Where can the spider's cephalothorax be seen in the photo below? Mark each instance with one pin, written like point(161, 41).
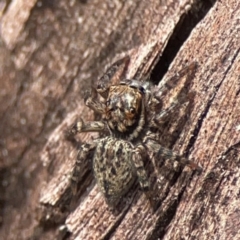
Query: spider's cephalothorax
point(130, 111)
point(125, 109)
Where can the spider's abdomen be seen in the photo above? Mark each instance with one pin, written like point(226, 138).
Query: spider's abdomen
point(112, 166)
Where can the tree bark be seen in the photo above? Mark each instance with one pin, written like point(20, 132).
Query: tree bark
point(53, 51)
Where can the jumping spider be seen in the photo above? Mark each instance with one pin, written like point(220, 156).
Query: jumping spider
point(131, 115)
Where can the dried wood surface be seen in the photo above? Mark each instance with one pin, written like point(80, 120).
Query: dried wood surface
point(52, 52)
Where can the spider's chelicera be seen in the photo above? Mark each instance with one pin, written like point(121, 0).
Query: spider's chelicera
point(131, 115)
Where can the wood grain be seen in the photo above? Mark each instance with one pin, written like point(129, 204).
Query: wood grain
point(53, 52)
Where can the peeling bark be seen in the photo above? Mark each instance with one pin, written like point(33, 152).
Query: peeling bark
point(52, 52)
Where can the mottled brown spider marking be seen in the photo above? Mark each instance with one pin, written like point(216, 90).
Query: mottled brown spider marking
point(132, 115)
point(123, 108)
point(113, 168)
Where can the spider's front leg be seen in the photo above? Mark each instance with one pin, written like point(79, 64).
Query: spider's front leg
point(183, 78)
point(164, 115)
point(186, 75)
point(113, 74)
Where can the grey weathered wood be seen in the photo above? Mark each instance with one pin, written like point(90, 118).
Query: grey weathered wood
point(52, 54)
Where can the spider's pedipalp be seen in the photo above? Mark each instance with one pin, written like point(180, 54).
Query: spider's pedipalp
point(93, 126)
point(94, 103)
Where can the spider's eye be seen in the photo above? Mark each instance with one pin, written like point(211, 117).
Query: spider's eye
point(142, 89)
point(107, 102)
point(114, 109)
point(100, 86)
point(132, 110)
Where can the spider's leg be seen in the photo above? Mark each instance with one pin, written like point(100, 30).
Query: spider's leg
point(188, 73)
point(138, 163)
point(112, 76)
point(183, 79)
point(78, 168)
point(165, 153)
point(166, 114)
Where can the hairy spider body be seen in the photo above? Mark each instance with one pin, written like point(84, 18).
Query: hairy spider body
point(131, 114)
point(111, 168)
